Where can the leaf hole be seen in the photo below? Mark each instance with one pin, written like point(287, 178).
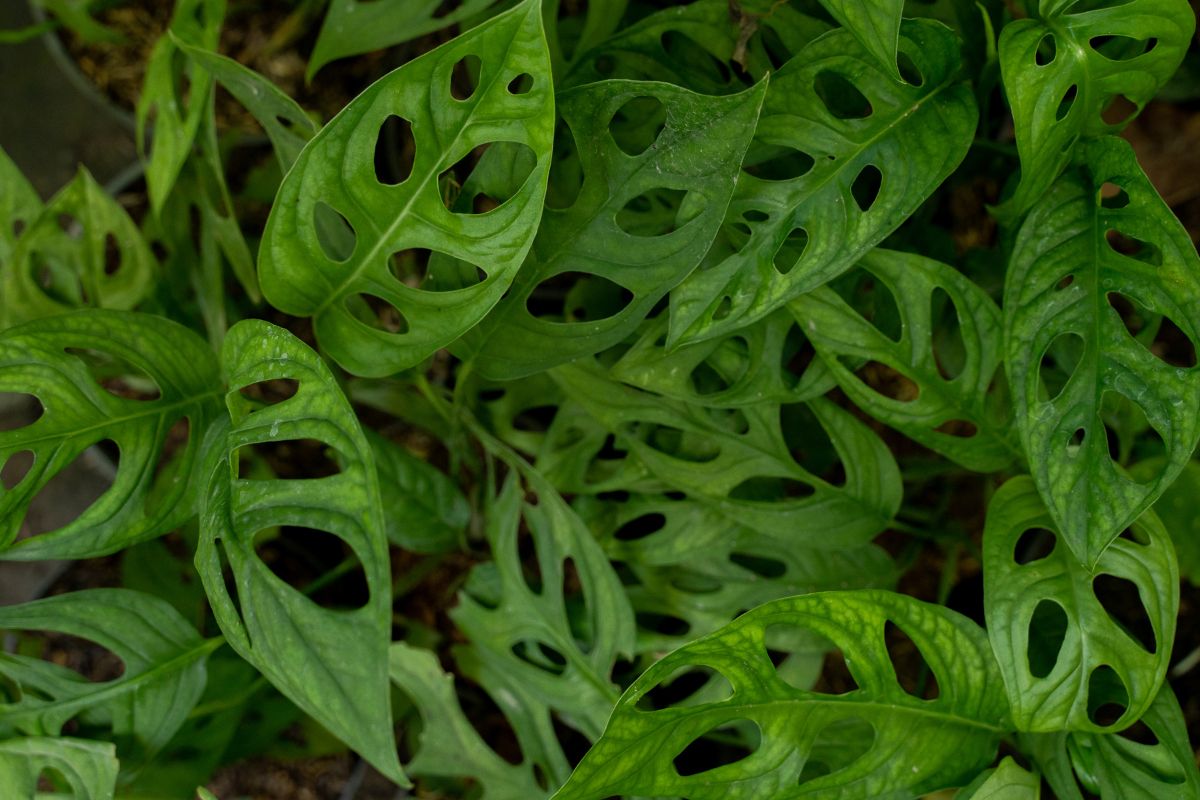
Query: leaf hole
point(67, 495)
point(1065, 104)
point(464, 77)
point(521, 84)
point(910, 73)
point(1140, 733)
point(15, 468)
point(808, 442)
point(841, 98)
point(315, 563)
point(577, 297)
point(1047, 49)
point(677, 443)
point(694, 58)
point(1134, 248)
point(771, 489)
point(791, 251)
point(652, 213)
point(866, 187)
point(334, 232)
point(637, 124)
point(1066, 281)
point(18, 410)
point(640, 527)
point(889, 382)
point(958, 428)
point(540, 655)
point(70, 225)
point(288, 459)
point(1115, 47)
point(1033, 545)
point(1122, 602)
point(806, 660)
point(837, 746)
point(663, 624)
point(375, 312)
point(498, 171)
point(1135, 534)
point(1108, 698)
point(1113, 196)
point(116, 375)
point(724, 309)
point(1075, 442)
point(688, 685)
point(395, 150)
point(112, 254)
point(1047, 633)
point(270, 392)
point(1058, 363)
point(566, 170)
point(912, 670)
point(946, 338)
point(762, 566)
point(89, 659)
point(707, 752)
point(777, 162)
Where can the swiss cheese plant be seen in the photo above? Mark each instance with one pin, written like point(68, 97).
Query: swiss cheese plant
point(755, 399)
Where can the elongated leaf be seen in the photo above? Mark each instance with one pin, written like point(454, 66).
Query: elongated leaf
point(1114, 765)
point(1068, 278)
point(1177, 510)
point(81, 250)
point(300, 274)
point(1062, 654)
point(449, 746)
point(833, 123)
point(1006, 782)
point(1063, 68)
point(352, 27)
point(89, 767)
point(164, 673)
point(423, 509)
point(154, 489)
point(875, 24)
point(740, 463)
point(906, 745)
point(686, 173)
point(331, 663)
point(844, 340)
point(19, 206)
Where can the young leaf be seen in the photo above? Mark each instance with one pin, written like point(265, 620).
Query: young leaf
point(1062, 69)
point(875, 24)
point(1078, 260)
point(904, 746)
point(1006, 782)
point(154, 489)
point(332, 663)
point(423, 509)
point(81, 250)
point(844, 339)
point(90, 768)
point(1063, 654)
point(314, 262)
point(19, 207)
point(842, 155)
point(644, 218)
point(164, 661)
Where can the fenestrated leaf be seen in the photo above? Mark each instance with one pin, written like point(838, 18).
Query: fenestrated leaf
point(813, 208)
point(845, 340)
point(89, 767)
point(1008, 781)
point(1176, 508)
point(331, 662)
point(154, 489)
point(739, 461)
point(351, 27)
point(1115, 765)
point(1077, 260)
point(907, 746)
point(875, 24)
point(423, 509)
point(307, 272)
point(579, 28)
point(81, 250)
point(164, 673)
point(19, 206)
point(1058, 646)
point(449, 746)
point(1064, 67)
point(640, 224)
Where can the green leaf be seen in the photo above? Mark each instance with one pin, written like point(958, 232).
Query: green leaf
point(352, 27)
point(81, 250)
point(1062, 653)
point(952, 383)
point(1158, 767)
point(875, 24)
point(154, 489)
point(1008, 781)
point(449, 746)
point(19, 207)
point(423, 509)
point(1176, 508)
point(646, 214)
point(797, 219)
point(90, 768)
point(332, 663)
point(164, 674)
point(739, 460)
point(902, 745)
point(333, 281)
point(1069, 276)
point(1062, 69)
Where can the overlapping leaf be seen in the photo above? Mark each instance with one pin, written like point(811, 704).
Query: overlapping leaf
point(307, 271)
point(90, 768)
point(1008, 781)
point(1062, 654)
point(19, 206)
point(423, 509)
point(164, 673)
point(154, 489)
point(738, 460)
point(1064, 67)
point(81, 250)
point(952, 386)
point(1078, 260)
point(645, 216)
point(331, 663)
point(1176, 508)
point(907, 745)
point(876, 25)
point(809, 206)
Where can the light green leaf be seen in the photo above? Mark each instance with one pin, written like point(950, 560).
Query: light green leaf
point(648, 210)
point(19, 207)
point(1062, 69)
point(81, 250)
point(875, 24)
point(335, 281)
point(352, 27)
point(90, 768)
point(1177, 510)
point(1008, 781)
point(423, 509)
point(1062, 653)
point(952, 384)
point(449, 746)
point(739, 462)
point(164, 661)
point(806, 206)
point(331, 662)
point(154, 490)
point(902, 746)
point(1068, 279)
